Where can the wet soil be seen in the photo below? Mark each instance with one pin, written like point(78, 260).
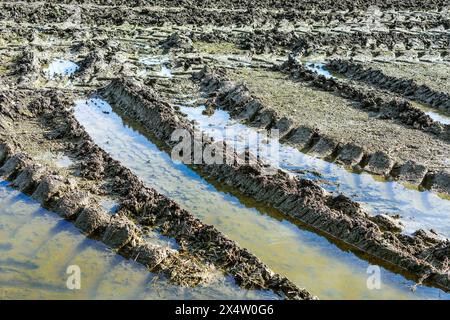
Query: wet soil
point(341, 120)
point(144, 57)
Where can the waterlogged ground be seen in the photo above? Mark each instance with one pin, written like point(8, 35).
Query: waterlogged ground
point(77, 57)
point(37, 248)
point(304, 257)
point(418, 209)
point(341, 119)
point(60, 67)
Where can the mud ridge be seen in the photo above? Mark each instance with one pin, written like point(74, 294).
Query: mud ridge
point(208, 248)
point(62, 195)
point(242, 105)
point(376, 42)
point(333, 42)
point(145, 14)
point(371, 101)
point(406, 87)
point(336, 216)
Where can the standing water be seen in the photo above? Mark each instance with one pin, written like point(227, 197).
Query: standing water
point(37, 248)
point(309, 260)
point(417, 209)
point(60, 67)
point(160, 61)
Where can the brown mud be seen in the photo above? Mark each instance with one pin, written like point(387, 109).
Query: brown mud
point(109, 42)
point(243, 105)
point(204, 249)
point(336, 216)
point(406, 87)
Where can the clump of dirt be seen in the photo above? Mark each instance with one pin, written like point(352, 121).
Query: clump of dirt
point(177, 42)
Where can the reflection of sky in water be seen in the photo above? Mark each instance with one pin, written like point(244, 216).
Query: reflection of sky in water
point(438, 117)
point(319, 68)
point(60, 67)
point(37, 246)
point(304, 257)
point(60, 159)
point(417, 209)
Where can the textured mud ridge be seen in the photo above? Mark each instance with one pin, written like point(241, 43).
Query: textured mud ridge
point(242, 105)
point(146, 14)
point(205, 248)
point(336, 216)
point(57, 193)
point(406, 87)
point(376, 45)
point(386, 107)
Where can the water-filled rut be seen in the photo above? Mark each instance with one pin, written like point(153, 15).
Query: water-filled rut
point(417, 209)
point(37, 247)
point(307, 259)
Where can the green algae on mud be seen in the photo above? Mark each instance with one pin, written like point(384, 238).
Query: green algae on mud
point(297, 253)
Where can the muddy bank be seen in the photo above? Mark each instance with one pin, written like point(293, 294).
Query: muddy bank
point(204, 15)
point(389, 44)
point(335, 216)
point(372, 101)
point(406, 87)
point(204, 249)
point(242, 105)
point(392, 44)
point(62, 196)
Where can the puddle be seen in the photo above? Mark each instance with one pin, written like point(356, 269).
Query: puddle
point(60, 67)
point(162, 62)
point(309, 260)
point(319, 68)
point(418, 209)
point(60, 159)
point(161, 240)
point(37, 247)
point(434, 114)
point(438, 117)
point(109, 205)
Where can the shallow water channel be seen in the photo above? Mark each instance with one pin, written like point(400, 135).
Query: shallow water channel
point(417, 209)
point(306, 258)
point(37, 247)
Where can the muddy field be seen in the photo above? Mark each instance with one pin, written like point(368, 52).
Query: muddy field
point(93, 92)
